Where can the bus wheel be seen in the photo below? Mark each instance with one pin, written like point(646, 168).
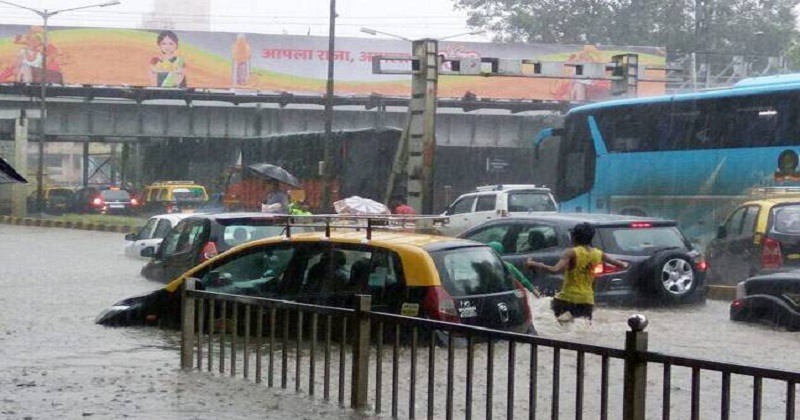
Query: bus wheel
point(673, 278)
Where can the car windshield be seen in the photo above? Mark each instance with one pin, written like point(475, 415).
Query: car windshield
point(60, 194)
point(120, 195)
point(787, 219)
point(472, 271)
point(238, 234)
point(188, 194)
point(530, 201)
point(641, 241)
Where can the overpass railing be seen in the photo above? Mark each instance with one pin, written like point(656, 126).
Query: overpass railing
point(407, 367)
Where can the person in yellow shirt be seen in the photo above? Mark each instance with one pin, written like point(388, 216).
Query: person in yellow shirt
point(576, 298)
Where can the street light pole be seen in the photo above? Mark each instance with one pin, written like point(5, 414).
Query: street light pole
point(45, 15)
point(327, 166)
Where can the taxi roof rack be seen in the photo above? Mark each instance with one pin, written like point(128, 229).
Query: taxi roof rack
point(383, 222)
point(504, 187)
point(171, 182)
point(777, 190)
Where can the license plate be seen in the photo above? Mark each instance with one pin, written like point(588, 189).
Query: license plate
point(117, 206)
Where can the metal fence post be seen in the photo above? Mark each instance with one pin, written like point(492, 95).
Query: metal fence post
point(360, 379)
point(635, 388)
point(187, 324)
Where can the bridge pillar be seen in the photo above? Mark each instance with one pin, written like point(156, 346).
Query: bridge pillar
point(19, 192)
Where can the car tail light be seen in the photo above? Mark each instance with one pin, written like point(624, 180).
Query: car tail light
point(439, 305)
point(640, 225)
point(771, 256)
point(606, 268)
point(209, 251)
point(524, 295)
point(737, 303)
point(98, 201)
point(134, 202)
point(701, 264)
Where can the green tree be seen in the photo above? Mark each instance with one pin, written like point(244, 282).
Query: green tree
point(732, 27)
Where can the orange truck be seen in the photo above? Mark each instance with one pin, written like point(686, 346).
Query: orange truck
point(245, 193)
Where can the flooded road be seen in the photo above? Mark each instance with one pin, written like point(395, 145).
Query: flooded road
point(56, 363)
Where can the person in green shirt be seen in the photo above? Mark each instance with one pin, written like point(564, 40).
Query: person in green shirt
point(576, 298)
point(518, 276)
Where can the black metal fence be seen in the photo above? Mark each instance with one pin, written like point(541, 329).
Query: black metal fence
point(407, 367)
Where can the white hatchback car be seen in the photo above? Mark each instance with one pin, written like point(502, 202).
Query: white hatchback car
point(151, 233)
point(494, 201)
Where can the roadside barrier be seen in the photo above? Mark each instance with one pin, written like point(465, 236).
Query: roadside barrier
point(39, 222)
point(412, 367)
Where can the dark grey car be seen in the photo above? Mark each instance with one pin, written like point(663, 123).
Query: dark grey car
point(202, 236)
point(663, 268)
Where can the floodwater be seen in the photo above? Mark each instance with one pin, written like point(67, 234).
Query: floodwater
point(56, 363)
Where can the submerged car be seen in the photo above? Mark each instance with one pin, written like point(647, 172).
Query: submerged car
point(772, 299)
point(151, 234)
point(199, 237)
point(664, 268)
point(758, 237)
point(412, 274)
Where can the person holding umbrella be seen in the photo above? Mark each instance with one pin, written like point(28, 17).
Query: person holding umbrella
point(277, 201)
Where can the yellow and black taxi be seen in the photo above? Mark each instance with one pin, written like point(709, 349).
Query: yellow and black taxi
point(173, 197)
point(413, 274)
point(758, 237)
point(56, 199)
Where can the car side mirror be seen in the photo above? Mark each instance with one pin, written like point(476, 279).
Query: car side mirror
point(148, 252)
point(131, 237)
point(721, 232)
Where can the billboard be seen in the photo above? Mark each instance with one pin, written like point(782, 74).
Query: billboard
point(282, 63)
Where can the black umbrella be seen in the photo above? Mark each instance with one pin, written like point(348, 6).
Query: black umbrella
point(8, 174)
point(273, 172)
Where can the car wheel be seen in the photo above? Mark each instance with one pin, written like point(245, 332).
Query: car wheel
point(673, 278)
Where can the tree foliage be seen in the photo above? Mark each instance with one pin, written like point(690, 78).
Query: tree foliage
point(745, 27)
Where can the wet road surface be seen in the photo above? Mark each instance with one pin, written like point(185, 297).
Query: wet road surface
point(56, 363)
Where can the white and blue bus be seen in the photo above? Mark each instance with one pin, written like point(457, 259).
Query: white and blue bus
point(688, 157)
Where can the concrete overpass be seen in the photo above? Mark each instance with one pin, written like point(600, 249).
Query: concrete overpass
point(130, 116)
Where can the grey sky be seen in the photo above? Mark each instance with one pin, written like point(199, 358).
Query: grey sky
point(407, 18)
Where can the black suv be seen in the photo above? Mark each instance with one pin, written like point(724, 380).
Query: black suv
point(200, 237)
point(663, 268)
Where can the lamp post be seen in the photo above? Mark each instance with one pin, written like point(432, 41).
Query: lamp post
point(327, 145)
point(46, 14)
